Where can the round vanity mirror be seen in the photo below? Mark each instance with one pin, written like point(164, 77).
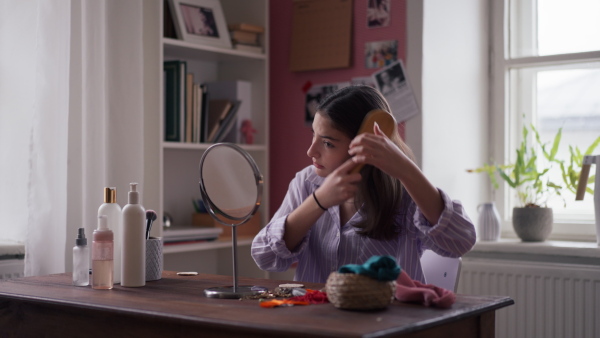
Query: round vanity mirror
point(230, 183)
point(231, 188)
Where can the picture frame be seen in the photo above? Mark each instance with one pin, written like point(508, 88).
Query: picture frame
point(201, 22)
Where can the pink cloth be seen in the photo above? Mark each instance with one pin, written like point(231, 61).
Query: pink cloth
point(408, 290)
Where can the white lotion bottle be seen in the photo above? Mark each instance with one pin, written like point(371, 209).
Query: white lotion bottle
point(133, 267)
point(81, 260)
point(102, 256)
point(112, 210)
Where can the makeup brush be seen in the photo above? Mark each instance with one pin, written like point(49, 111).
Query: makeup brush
point(150, 217)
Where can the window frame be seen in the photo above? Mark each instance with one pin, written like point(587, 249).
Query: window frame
point(504, 126)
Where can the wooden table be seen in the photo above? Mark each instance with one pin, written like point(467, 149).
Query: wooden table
point(175, 306)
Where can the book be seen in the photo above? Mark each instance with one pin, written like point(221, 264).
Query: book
point(235, 90)
point(248, 48)
point(195, 113)
point(168, 23)
point(246, 27)
point(249, 38)
point(182, 99)
point(217, 112)
point(189, 108)
point(203, 112)
point(173, 89)
point(190, 233)
point(228, 124)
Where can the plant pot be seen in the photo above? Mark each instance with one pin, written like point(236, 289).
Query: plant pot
point(532, 224)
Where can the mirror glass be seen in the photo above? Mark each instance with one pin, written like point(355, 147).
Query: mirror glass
point(231, 188)
point(230, 183)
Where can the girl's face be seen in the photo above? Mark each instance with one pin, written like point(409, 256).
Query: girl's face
point(329, 147)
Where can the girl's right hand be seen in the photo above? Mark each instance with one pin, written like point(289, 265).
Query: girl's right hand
point(339, 186)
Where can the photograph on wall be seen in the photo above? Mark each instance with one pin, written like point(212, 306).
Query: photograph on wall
point(363, 80)
point(380, 53)
point(393, 84)
point(316, 94)
point(378, 13)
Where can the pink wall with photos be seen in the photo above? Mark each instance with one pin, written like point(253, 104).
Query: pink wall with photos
point(290, 137)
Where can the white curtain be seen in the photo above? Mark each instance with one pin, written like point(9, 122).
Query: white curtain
point(71, 119)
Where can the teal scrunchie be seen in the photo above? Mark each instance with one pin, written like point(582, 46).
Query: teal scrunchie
point(382, 268)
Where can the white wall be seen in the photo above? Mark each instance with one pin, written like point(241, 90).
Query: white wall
point(447, 65)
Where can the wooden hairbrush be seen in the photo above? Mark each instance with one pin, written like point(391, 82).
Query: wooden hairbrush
point(386, 123)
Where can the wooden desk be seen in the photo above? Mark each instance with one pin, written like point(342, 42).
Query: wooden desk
point(175, 306)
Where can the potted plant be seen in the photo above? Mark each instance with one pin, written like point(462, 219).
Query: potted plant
point(529, 176)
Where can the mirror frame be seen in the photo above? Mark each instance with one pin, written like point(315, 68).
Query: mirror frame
point(214, 209)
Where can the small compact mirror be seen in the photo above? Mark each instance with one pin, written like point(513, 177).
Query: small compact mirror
point(231, 188)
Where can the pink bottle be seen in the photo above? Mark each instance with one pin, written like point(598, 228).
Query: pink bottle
point(102, 256)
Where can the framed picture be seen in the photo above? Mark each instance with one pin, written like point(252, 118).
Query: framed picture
point(200, 21)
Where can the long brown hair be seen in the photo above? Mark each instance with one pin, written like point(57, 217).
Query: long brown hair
point(379, 192)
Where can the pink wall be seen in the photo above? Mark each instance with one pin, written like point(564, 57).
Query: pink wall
point(289, 135)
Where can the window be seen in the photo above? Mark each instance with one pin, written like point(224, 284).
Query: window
point(546, 72)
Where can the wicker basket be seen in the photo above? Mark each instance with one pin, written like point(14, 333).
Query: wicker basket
point(357, 292)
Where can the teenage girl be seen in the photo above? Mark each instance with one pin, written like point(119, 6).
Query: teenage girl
point(331, 217)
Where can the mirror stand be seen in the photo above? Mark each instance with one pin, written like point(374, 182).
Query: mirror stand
point(232, 190)
point(234, 291)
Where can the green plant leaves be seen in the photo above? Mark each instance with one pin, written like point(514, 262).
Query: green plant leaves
point(528, 175)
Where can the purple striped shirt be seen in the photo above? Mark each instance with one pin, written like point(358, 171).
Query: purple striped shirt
point(329, 245)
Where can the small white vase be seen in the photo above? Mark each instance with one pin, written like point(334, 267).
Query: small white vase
point(488, 226)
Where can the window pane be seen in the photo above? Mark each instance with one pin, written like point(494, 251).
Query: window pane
point(568, 26)
point(569, 98)
point(549, 27)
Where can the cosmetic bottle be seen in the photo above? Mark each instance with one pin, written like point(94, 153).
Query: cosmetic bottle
point(112, 210)
point(133, 267)
point(102, 256)
point(81, 260)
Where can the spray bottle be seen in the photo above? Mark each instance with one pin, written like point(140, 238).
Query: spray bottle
point(81, 260)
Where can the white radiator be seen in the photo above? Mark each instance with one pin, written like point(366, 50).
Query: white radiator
point(11, 268)
point(551, 300)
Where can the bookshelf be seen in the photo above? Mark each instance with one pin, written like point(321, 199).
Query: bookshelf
point(179, 161)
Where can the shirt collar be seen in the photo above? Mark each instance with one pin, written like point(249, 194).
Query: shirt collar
point(313, 178)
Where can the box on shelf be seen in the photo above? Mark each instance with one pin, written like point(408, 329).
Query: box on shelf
point(246, 27)
point(248, 48)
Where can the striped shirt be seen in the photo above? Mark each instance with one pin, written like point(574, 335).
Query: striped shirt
point(329, 245)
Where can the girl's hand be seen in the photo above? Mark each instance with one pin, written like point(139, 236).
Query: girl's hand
point(339, 186)
point(379, 151)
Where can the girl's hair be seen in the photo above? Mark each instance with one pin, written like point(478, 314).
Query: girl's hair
point(380, 192)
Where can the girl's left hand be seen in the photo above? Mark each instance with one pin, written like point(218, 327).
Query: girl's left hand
point(379, 151)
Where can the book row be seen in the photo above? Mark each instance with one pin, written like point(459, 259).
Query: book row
point(204, 112)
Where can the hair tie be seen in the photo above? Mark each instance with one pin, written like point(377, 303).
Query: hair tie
point(319, 204)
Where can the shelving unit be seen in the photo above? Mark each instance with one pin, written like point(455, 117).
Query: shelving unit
point(179, 174)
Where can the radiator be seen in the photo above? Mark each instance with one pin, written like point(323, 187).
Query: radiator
point(11, 268)
point(551, 300)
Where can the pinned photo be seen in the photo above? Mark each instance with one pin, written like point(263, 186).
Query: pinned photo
point(316, 94)
point(378, 13)
point(380, 53)
point(393, 84)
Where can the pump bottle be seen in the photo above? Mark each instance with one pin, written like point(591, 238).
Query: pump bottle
point(81, 260)
point(112, 210)
point(102, 256)
point(133, 268)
